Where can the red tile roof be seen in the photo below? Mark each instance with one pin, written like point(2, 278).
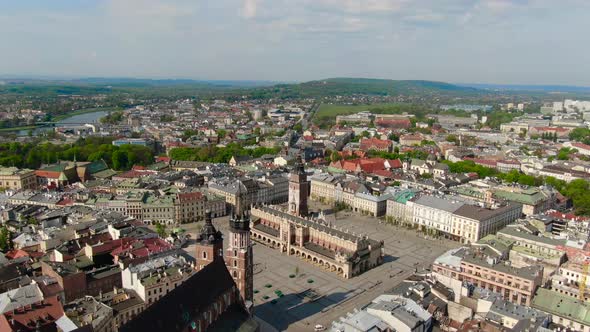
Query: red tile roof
point(383, 173)
point(65, 202)
point(47, 174)
point(483, 162)
point(581, 146)
point(567, 216)
point(395, 163)
point(509, 162)
point(14, 254)
point(192, 196)
point(163, 159)
point(394, 123)
point(141, 248)
point(367, 165)
point(556, 129)
point(45, 313)
point(349, 153)
point(375, 143)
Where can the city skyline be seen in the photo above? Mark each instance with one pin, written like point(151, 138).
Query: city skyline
point(486, 41)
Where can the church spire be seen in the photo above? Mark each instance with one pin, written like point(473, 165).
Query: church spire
point(209, 243)
point(208, 231)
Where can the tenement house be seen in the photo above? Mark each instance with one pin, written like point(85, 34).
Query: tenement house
point(17, 179)
point(457, 266)
point(350, 192)
point(157, 277)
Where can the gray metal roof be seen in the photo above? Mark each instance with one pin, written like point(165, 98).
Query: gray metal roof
point(439, 203)
point(310, 223)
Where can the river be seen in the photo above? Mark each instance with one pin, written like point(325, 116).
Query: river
point(75, 120)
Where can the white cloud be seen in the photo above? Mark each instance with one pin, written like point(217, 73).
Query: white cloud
point(300, 39)
point(425, 18)
point(249, 8)
point(361, 6)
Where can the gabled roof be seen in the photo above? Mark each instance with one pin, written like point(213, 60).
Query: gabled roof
point(96, 166)
point(46, 315)
point(177, 309)
point(20, 297)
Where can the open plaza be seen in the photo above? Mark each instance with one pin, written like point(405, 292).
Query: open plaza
point(295, 295)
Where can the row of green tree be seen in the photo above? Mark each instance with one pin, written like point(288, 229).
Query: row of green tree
point(34, 154)
point(396, 154)
point(577, 190)
point(112, 118)
point(215, 154)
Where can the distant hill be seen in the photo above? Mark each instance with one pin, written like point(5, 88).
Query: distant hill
point(170, 82)
point(366, 86)
point(89, 86)
point(533, 88)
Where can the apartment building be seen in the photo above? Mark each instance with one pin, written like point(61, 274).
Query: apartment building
point(355, 195)
point(376, 144)
point(157, 277)
point(400, 207)
point(436, 213)
point(534, 200)
point(182, 207)
point(267, 190)
point(471, 222)
point(516, 285)
point(126, 305)
point(458, 218)
point(566, 311)
point(323, 187)
point(529, 248)
point(568, 278)
point(17, 179)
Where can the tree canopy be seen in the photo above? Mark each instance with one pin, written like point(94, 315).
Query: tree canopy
point(34, 154)
point(214, 154)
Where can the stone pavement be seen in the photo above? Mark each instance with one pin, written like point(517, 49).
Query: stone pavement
point(405, 250)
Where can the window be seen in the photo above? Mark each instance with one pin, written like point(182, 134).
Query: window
point(204, 255)
point(235, 263)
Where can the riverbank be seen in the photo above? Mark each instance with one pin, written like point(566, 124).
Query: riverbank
point(60, 118)
point(18, 128)
point(85, 111)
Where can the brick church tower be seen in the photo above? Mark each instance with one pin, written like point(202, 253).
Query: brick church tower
point(238, 255)
point(209, 244)
point(298, 190)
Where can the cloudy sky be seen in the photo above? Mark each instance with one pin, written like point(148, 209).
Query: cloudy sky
point(476, 41)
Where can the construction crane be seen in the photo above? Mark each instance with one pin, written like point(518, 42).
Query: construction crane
point(582, 286)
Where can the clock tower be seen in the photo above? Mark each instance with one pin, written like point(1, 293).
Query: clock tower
point(298, 190)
